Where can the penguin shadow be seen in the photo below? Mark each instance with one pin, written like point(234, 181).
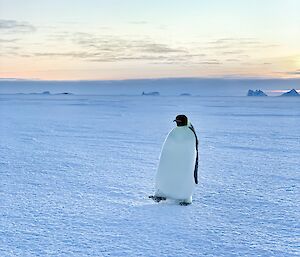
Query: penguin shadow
point(165, 212)
point(159, 199)
point(157, 202)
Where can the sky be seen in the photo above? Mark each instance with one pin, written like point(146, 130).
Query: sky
point(132, 39)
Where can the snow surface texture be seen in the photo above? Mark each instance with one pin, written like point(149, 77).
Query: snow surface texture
point(76, 172)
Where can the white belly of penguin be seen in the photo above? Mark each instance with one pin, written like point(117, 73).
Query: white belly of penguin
point(175, 174)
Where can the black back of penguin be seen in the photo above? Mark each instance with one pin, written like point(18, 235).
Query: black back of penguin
point(182, 120)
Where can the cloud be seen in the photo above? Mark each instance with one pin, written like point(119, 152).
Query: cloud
point(239, 41)
point(13, 40)
point(288, 73)
point(16, 26)
point(211, 62)
point(296, 72)
point(158, 48)
point(101, 56)
point(232, 60)
point(111, 48)
point(99, 47)
point(113, 43)
point(233, 52)
point(63, 54)
point(232, 46)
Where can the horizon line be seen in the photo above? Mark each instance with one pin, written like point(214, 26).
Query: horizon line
point(140, 79)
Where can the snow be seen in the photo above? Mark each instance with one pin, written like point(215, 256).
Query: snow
point(166, 86)
point(76, 172)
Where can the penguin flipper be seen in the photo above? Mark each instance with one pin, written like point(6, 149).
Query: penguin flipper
point(197, 155)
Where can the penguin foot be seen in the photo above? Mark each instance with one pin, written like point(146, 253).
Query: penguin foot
point(184, 203)
point(157, 198)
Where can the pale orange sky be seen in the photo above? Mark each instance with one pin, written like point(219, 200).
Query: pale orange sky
point(71, 40)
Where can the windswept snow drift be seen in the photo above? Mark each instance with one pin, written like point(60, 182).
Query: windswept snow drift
point(76, 172)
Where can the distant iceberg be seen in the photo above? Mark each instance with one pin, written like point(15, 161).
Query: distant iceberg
point(292, 92)
point(151, 93)
point(65, 93)
point(45, 93)
point(256, 93)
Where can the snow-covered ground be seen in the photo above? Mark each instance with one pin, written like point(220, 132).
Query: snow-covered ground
point(76, 172)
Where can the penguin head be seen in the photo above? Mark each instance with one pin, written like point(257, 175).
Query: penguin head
point(181, 120)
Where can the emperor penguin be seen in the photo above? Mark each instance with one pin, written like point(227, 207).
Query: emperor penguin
point(177, 172)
